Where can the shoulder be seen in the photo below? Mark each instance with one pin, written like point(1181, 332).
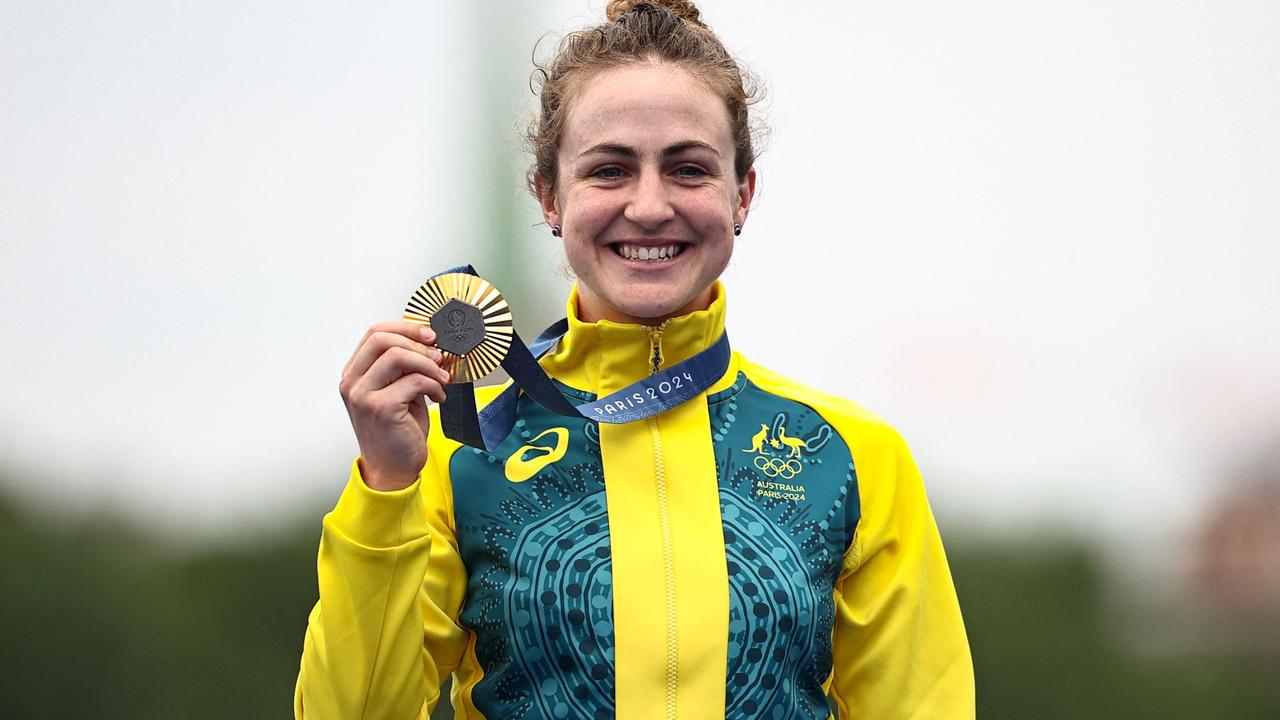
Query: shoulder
point(861, 429)
point(889, 490)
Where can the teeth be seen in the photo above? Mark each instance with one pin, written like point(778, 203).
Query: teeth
point(636, 252)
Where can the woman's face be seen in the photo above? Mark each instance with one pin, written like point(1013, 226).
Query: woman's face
point(646, 196)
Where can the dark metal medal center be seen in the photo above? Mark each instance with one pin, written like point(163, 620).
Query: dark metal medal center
point(459, 327)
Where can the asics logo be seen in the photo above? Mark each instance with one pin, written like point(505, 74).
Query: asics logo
point(523, 465)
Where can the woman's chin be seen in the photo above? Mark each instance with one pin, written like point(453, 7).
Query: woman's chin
point(650, 306)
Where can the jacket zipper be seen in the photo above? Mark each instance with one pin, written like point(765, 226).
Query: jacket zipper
point(664, 522)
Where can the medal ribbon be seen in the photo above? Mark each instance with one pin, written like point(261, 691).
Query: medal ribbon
point(642, 399)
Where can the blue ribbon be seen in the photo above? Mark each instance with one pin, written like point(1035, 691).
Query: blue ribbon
point(642, 399)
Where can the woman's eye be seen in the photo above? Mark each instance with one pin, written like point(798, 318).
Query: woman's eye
point(608, 173)
point(690, 172)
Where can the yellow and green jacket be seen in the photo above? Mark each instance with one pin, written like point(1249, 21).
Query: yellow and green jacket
point(764, 550)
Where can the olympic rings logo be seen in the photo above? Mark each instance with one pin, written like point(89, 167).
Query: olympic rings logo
point(776, 467)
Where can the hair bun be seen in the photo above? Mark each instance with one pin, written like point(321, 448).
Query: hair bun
point(682, 9)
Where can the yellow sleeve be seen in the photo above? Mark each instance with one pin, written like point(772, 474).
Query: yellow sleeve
point(384, 632)
point(899, 645)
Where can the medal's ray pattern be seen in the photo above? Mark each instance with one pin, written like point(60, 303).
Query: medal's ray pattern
point(498, 325)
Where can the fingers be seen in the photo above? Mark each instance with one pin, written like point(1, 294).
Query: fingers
point(395, 362)
point(413, 386)
point(409, 336)
point(383, 385)
point(405, 391)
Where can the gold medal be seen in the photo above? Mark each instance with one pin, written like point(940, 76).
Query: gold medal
point(471, 320)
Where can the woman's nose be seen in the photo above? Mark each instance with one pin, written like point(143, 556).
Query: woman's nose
point(649, 205)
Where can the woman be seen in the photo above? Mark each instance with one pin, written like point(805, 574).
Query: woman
point(761, 550)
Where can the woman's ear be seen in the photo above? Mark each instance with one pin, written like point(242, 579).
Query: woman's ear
point(547, 199)
point(746, 191)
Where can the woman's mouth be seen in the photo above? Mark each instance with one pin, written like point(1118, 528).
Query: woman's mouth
point(648, 253)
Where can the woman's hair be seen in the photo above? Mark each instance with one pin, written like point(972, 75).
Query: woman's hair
point(636, 33)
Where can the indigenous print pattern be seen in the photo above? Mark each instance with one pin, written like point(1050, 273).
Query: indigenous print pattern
point(540, 594)
point(560, 608)
point(539, 589)
point(784, 549)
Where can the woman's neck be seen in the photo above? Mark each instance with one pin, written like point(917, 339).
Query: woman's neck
point(593, 308)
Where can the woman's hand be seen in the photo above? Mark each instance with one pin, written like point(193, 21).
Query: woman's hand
point(395, 364)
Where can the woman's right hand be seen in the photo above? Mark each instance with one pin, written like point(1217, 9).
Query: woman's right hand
point(383, 384)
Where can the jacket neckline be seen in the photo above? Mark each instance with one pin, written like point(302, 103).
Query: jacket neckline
point(603, 356)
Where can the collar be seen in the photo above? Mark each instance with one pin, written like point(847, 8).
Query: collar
point(604, 356)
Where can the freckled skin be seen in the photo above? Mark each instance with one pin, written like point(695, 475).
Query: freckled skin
point(665, 176)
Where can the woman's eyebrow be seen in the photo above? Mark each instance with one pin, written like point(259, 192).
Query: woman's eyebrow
point(690, 145)
point(629, 152)
point(608, 149)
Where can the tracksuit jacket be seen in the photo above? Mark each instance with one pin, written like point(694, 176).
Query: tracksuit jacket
point(763, 550)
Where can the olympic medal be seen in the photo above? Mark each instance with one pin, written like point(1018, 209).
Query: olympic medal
point(471, 319)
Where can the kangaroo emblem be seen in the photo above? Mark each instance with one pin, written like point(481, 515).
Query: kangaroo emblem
point(779, 455)
point(757, 440)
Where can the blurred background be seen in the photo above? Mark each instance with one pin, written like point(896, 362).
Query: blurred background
point(1041, 239)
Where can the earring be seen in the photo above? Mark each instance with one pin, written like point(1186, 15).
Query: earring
point(737, 229)
point(555, 231)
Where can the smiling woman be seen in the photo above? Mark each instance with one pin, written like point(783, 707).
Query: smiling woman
point(647, 199)
point(759, 549)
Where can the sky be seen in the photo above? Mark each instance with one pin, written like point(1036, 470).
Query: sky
point(1040, 239)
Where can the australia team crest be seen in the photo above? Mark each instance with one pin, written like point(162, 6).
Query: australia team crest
point(781, 457)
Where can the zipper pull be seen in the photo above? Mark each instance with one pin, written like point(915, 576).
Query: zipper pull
point(655, 360)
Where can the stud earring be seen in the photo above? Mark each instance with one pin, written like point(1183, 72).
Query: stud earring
point(737, 229)
point(555, 231)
